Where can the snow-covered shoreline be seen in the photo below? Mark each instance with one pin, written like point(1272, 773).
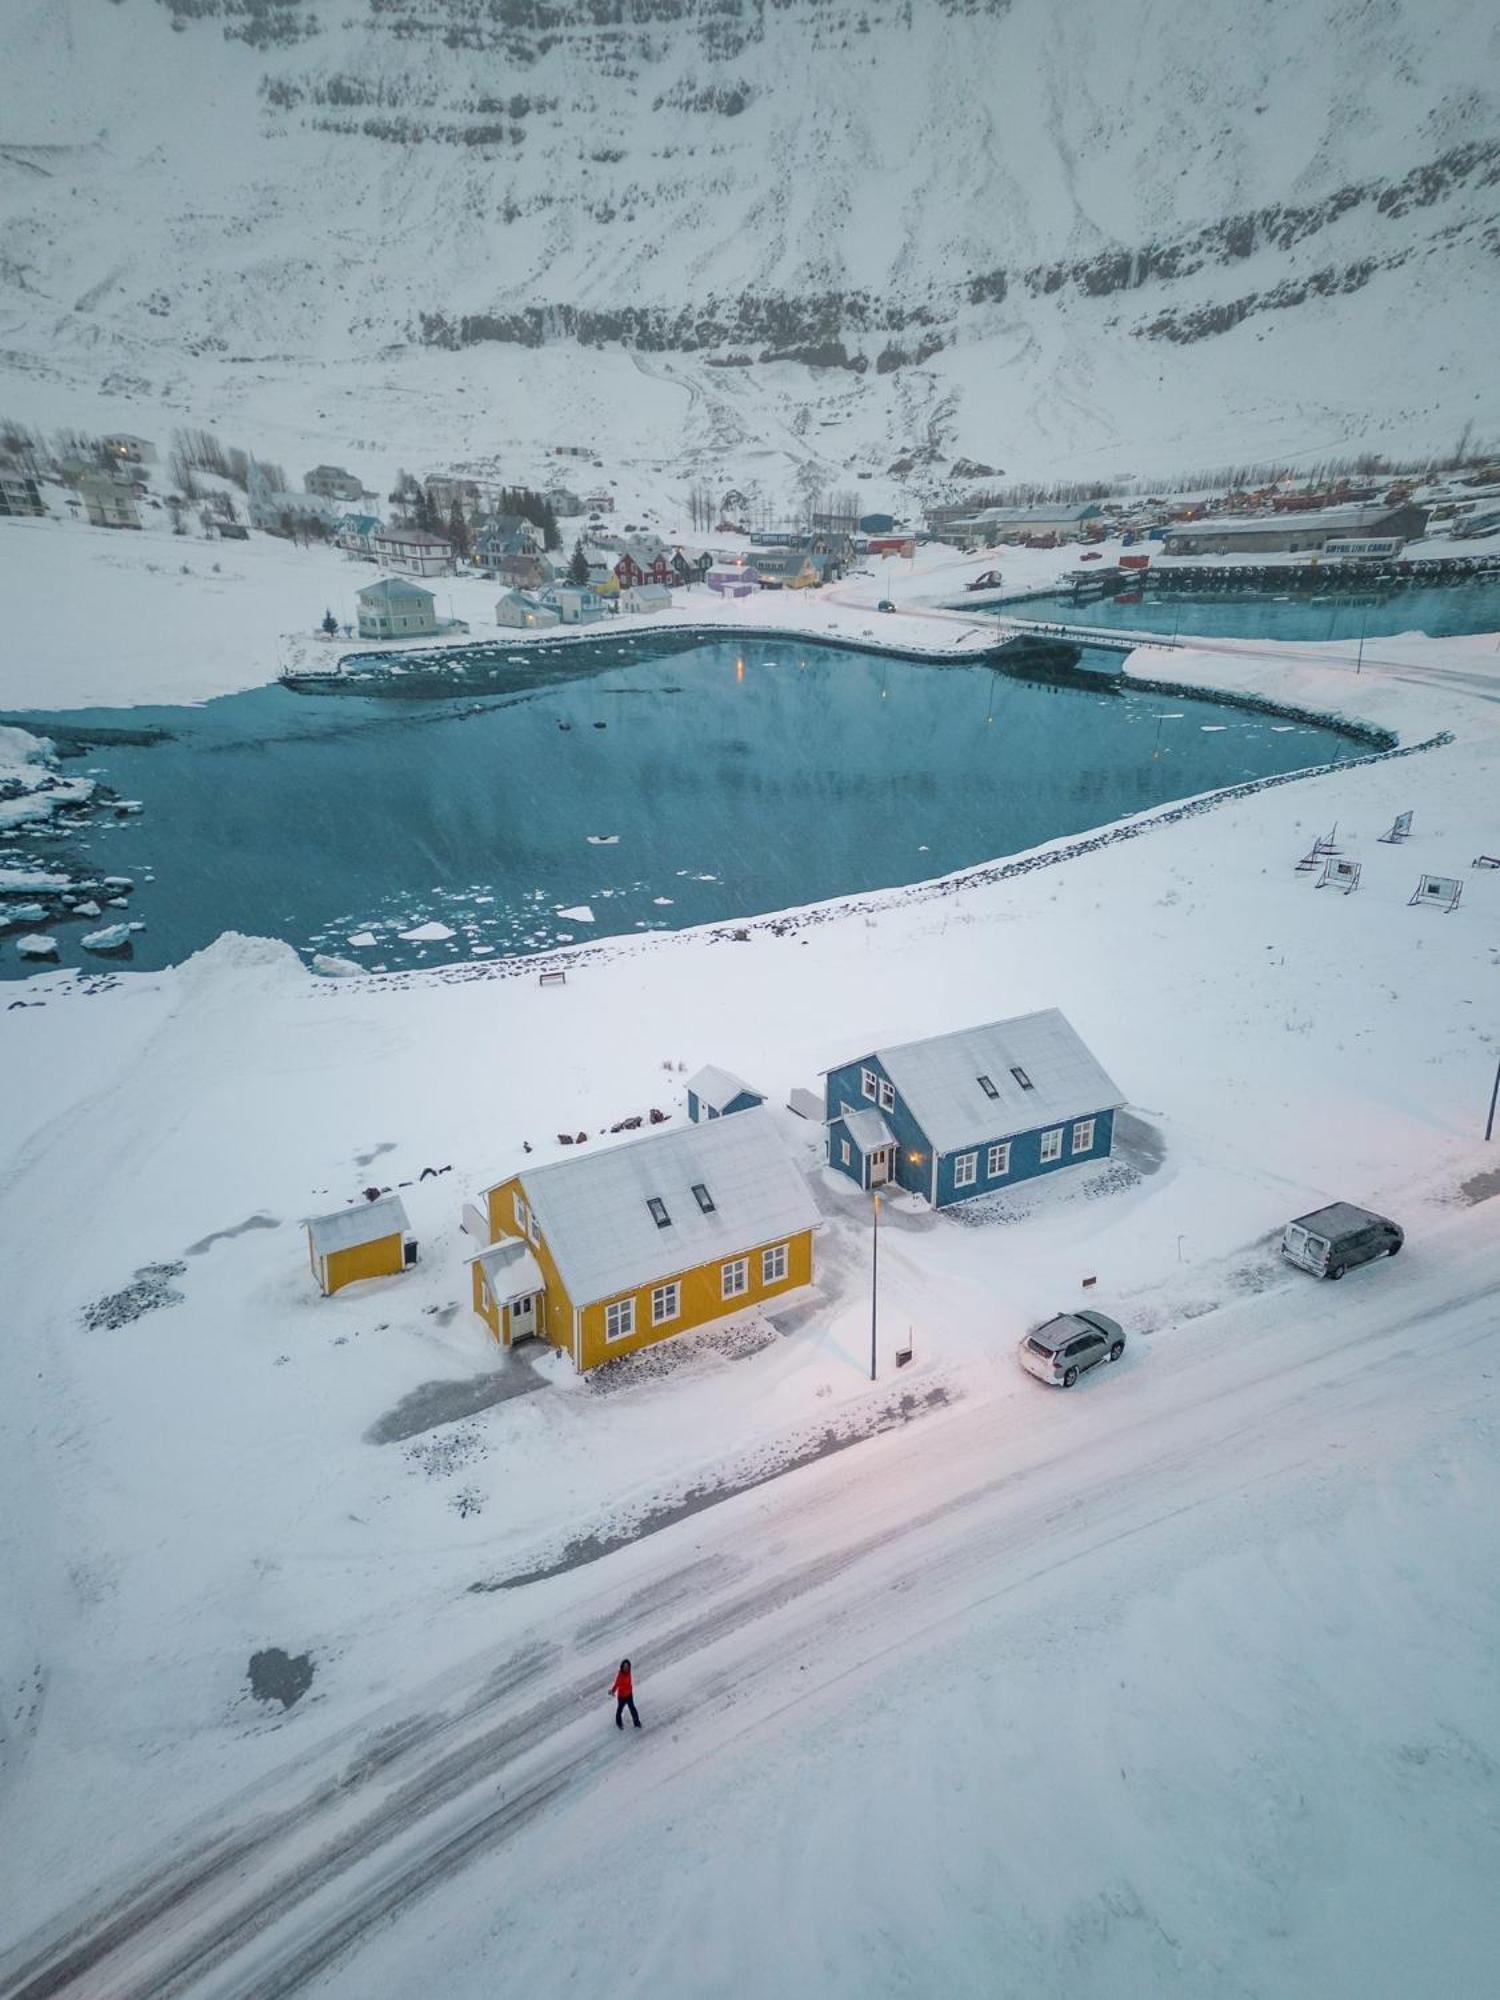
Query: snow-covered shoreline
point(1279, 1046)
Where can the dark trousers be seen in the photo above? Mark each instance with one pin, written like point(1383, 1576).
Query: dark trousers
point(626, 1701)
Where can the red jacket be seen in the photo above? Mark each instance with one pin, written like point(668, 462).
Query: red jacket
point(624, 1686)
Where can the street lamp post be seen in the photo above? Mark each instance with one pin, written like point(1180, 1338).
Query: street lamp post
point(1364, 619)
point(1489, 1123)
point(874, 1281)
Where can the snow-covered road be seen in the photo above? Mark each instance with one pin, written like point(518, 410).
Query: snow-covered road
point(746, 1624)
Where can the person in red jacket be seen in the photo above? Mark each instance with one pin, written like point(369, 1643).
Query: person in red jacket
point(623, 1691)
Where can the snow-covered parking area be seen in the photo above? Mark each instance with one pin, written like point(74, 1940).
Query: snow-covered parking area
point(1184, 1683)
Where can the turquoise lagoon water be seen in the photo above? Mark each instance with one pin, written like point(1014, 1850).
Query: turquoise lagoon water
point(1442, 612)
point(718, 782)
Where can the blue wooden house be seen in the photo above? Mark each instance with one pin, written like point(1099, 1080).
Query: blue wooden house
point(714, 1093)
point(964, 1114)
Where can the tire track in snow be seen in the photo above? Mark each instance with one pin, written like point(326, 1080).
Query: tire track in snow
point(1268, 1414)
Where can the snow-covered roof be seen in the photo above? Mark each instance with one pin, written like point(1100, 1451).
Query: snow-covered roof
point(868, 1130)
point(417, 538)
point(592, 1208)
point(510, 1271)
point(392, 587)
point(365, 1222)
point(1350, 519)
point(1048, 511)
point(940, 1079)
point(718, 1087)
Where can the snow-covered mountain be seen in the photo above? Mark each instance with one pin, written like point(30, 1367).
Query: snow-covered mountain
point(752, 236)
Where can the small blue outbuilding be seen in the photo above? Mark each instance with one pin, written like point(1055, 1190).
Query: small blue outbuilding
point(714, 1093)
point(965, 1114)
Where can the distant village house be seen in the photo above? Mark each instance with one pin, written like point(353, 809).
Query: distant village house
point(395, 609)
point(108, 502)
point(128, 450)
point(331, 482)
point(520, 609)
point(412, 550)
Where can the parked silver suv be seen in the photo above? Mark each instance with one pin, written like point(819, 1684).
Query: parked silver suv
point(1061, 1350)
point(1332, 1240)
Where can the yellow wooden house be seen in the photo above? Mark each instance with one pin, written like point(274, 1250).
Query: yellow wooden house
point(617, 1248)
point(372, 1239)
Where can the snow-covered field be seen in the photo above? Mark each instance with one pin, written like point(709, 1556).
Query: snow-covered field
point(103, 618)
point(1182, 1685)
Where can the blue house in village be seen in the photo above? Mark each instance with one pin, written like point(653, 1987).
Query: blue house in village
point(964, 1114)
point(714, 1093)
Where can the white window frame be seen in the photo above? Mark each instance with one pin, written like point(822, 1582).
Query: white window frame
point(523, 1214)
point(1051, 1146)
point(869, 1084)
point(965, 1169)
point(997, 1161)
point(670, 1296)
point(622, 1313)
point(1085, 1144)
point(734, 1278)
point(887, 1095)
point(844, 1153)
point(774, 1264)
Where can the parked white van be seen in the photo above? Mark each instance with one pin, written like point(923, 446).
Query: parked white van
point(1332, 1240)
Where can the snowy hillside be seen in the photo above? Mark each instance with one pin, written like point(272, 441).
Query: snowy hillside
point(1049, 239)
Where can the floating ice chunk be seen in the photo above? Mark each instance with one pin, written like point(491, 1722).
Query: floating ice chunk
point(432, 933)
point(334, 968)
point(37, 946)
point(32, 878)
point(1213, 728)
point(114, 937)
point(361, 939)
point(603, 840)
point(26, 913)
point(579, 913)
point(662, 899)
point(89, 909)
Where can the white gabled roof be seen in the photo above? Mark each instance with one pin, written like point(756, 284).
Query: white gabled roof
point(365, 1222)
point(939, 1079)
point(592, 1208)
point(510, 1270)
point(719, 1087)
point(867, 1129)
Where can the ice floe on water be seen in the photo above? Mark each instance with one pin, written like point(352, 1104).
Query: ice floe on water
point(603, 839)
point(432, 933)
point(361, 940)
point(579, 913)
point(113, 937)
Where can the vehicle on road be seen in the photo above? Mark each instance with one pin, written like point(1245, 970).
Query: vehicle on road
point(1330, 1241)
point(1091, 555)
point(885, 604)
point(1062, 1349)
point(988, 579)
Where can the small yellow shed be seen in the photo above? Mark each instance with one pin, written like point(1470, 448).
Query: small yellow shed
point(371, 1240)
